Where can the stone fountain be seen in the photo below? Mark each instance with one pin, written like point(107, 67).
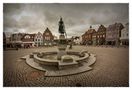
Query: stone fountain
point(63, 62)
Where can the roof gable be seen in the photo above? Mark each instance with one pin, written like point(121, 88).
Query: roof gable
point(47, 31)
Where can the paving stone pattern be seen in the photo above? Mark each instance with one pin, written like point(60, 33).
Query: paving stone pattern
point(110, 70)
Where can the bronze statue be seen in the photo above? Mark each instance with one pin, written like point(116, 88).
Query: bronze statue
point(61, 27)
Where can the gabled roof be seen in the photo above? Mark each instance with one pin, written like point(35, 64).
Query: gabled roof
point(101, 28)
point(39, 33)
point(91, 31)
point(115, 26)
point(47, 30)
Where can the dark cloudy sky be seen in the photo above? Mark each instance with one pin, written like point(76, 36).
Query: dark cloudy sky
point(33, 18)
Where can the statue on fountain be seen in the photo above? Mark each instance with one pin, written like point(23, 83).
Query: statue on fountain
point(62, 27)
point(62, 39)
point(63, 35)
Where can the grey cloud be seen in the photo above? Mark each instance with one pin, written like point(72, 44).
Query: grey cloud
point(77, 17)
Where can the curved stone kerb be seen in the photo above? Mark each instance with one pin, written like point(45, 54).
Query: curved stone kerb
point(45, 61)
point(86, 56)
point(56, 62)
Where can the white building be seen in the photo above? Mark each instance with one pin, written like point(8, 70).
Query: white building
point(125, 35)
point(77, 40)
point(38, 39)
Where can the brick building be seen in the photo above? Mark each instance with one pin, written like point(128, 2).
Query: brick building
point(48, 38)
point(101, 35)
point(87, 36)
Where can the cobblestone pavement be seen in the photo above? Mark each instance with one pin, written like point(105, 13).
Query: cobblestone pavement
point(111, 69)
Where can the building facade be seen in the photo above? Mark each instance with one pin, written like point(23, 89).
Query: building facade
point(28, 40)
point(94, 38)
point(15, 39)
point(38, 39)
point(48, 38)
point(101, 35)
point(87, 36)
point(113, 34)
point(125, 35)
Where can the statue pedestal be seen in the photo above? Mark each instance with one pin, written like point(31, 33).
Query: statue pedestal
point(61, 47)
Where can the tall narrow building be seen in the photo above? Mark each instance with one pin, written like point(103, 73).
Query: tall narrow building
point(101, 35)
point(48, 37)
point(38, 39)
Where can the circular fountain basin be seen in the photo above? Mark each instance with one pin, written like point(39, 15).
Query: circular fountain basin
point(72, 63)
point(50, 58)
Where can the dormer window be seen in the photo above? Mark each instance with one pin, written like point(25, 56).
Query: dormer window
point(27, 36)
